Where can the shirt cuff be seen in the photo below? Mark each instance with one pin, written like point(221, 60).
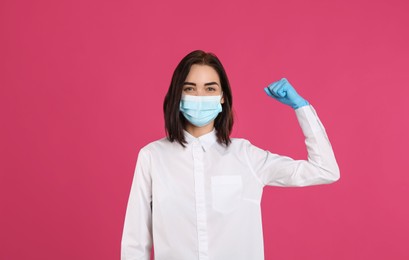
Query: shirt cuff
point(308, 120)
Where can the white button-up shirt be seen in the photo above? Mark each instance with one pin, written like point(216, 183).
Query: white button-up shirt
point(203, 201)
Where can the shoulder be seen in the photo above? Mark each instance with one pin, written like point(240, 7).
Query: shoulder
point(161, 147)
point(238, 140)
point(145, 153)
point(239, 143)
point(155, 145)
point(244, 145)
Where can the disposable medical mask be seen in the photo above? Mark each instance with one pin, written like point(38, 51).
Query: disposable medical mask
point(200, 110)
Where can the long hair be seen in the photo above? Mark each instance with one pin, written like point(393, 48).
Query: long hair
point(174, 119)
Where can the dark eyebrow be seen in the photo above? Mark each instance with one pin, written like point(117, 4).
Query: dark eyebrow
point(206, 84)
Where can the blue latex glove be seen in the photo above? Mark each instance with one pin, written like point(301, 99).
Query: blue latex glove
point(285, 93)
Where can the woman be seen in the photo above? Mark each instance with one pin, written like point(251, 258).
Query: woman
point(196, 193)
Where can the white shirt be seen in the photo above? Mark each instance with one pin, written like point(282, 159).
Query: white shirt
point(206, 197)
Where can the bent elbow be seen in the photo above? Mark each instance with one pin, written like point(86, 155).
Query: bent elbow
point(334, 175)
point(335, 178)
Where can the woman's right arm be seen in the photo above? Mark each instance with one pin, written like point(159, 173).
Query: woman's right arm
point(137, 232)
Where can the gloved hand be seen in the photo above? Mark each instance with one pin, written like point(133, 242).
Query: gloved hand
point(285, 93)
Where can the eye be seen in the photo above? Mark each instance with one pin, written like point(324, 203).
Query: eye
point(211, 89)
point(188, 89)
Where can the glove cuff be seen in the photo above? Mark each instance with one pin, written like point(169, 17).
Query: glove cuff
point(302, 103)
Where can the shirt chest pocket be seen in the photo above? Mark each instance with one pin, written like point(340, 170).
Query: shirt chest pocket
point(226, 192)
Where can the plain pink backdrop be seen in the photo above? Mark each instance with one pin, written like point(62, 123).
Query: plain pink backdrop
point(81, 90)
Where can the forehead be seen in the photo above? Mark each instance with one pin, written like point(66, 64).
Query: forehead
point(202, 73)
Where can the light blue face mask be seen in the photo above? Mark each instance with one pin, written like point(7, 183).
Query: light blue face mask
point(200, 110)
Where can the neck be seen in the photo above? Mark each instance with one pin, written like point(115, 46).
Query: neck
point(199, 131)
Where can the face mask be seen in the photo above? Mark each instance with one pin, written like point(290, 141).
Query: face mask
point(200, 110)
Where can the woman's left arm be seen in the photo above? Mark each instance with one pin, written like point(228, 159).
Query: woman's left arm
point(276, 170)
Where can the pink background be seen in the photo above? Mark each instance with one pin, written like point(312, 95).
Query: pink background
point(81, 90)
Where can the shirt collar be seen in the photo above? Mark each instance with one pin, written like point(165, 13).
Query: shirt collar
point(206, 140)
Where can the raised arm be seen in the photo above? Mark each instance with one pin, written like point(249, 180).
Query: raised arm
point(277, 170)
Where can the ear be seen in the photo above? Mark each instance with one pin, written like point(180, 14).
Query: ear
point(222, 100)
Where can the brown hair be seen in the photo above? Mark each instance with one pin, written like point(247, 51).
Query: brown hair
point(174, 119)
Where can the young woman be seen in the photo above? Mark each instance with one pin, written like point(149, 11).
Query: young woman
point(196, 193)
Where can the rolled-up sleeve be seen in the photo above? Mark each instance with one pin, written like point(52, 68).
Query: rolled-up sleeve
point(277, 170)
point(136, 241)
